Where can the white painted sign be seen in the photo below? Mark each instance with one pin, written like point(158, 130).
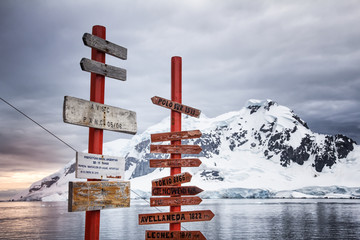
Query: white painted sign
point(96, 115)
point(96, 166)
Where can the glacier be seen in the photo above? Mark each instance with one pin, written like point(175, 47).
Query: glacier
point(264, 150)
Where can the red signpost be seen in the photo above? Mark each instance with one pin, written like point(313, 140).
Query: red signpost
point(94, 114)
point(97, 94)
point(171, 185)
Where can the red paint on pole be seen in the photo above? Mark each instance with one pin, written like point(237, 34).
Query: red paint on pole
point(97, 94)
point(176, 95)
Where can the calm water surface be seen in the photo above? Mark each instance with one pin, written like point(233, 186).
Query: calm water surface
point(234, 219)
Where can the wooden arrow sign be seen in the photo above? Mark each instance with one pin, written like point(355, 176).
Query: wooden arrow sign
point(103, 69)
point(92, 114)
point(164, 235)
point(172, 180)
point(183, 162)
point(97, 195)
point(176, 106)
point(174, 201)
point(104, 46)
point(174, 191)
point(180, 149)
point(171, 136)
point(175, 217)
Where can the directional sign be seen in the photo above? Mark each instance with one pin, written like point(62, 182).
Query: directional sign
point(176, 106)
point(172, 180)
point(171, 136)
point(181, 149)
point(97, 195)
point(175, 217)
point(95, 166)
point(171, 191)
point(164, 235)
point(104, 46)
point(91, 114)
point(103, 69)
point(172, 162)
point(174, 201)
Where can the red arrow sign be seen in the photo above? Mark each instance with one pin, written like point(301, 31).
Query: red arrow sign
point(174, 201)
point(171, 191)
point(183, 162)
point(164, 235)
point(175, 217)
point(171, 136)
point(180, 149)
point(172, 180)
point(178, 107)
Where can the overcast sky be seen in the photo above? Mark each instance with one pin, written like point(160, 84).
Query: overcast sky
point(302, 54)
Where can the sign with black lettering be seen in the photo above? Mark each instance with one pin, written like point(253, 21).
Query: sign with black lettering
point(172, 162)
point(185, 235)
point(178, 107)
point(96, 166)
point(96, 115)
point(174, 201)
point(97, 195)
point(172, 180)
point(171, 136)
point(175, 217)
point(180, 149)
point(173, 191)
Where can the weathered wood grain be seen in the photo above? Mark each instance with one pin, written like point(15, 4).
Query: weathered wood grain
point(175, 191)
point(91, 114)
point(172, 180)
point(104, 46)
point(178, 149)
point(179, 235)
point(172, 136)
point(175, 106)
point(175, 217)
point(174, 201)
point(96, 166)
point(103, 69)
point(172, 162)
point(97, 195)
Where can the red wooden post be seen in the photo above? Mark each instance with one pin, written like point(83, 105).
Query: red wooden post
point(97, 93)
point(176, 93)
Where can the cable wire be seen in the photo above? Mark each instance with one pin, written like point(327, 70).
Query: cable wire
point(39, 125)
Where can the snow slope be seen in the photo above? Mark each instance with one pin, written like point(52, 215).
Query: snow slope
point(263, 150)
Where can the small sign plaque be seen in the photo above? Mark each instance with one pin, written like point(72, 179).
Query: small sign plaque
point(175, 106)
point(97, 166)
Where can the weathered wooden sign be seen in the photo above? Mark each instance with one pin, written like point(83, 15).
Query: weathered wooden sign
point(163, 235)
point(180, 149)
point(175, 217)
point(172, 180)
point(97, 195)
point(92, 114)
point(173, 191)
point(172, 162)
point(171, 136)
point(174, 201)
point(104, 46)
point(103, 69)
point(176, 106)
point(95, 166)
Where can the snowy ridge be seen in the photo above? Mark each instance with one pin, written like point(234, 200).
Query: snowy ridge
point(263, 150)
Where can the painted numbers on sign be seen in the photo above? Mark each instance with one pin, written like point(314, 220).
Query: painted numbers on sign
point(97, 166)
point(96, 115)
point(175, 106)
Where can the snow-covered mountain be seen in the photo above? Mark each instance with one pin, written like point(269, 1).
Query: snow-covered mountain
point(263, 150)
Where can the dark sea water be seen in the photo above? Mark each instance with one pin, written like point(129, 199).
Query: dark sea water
point(234, 219)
